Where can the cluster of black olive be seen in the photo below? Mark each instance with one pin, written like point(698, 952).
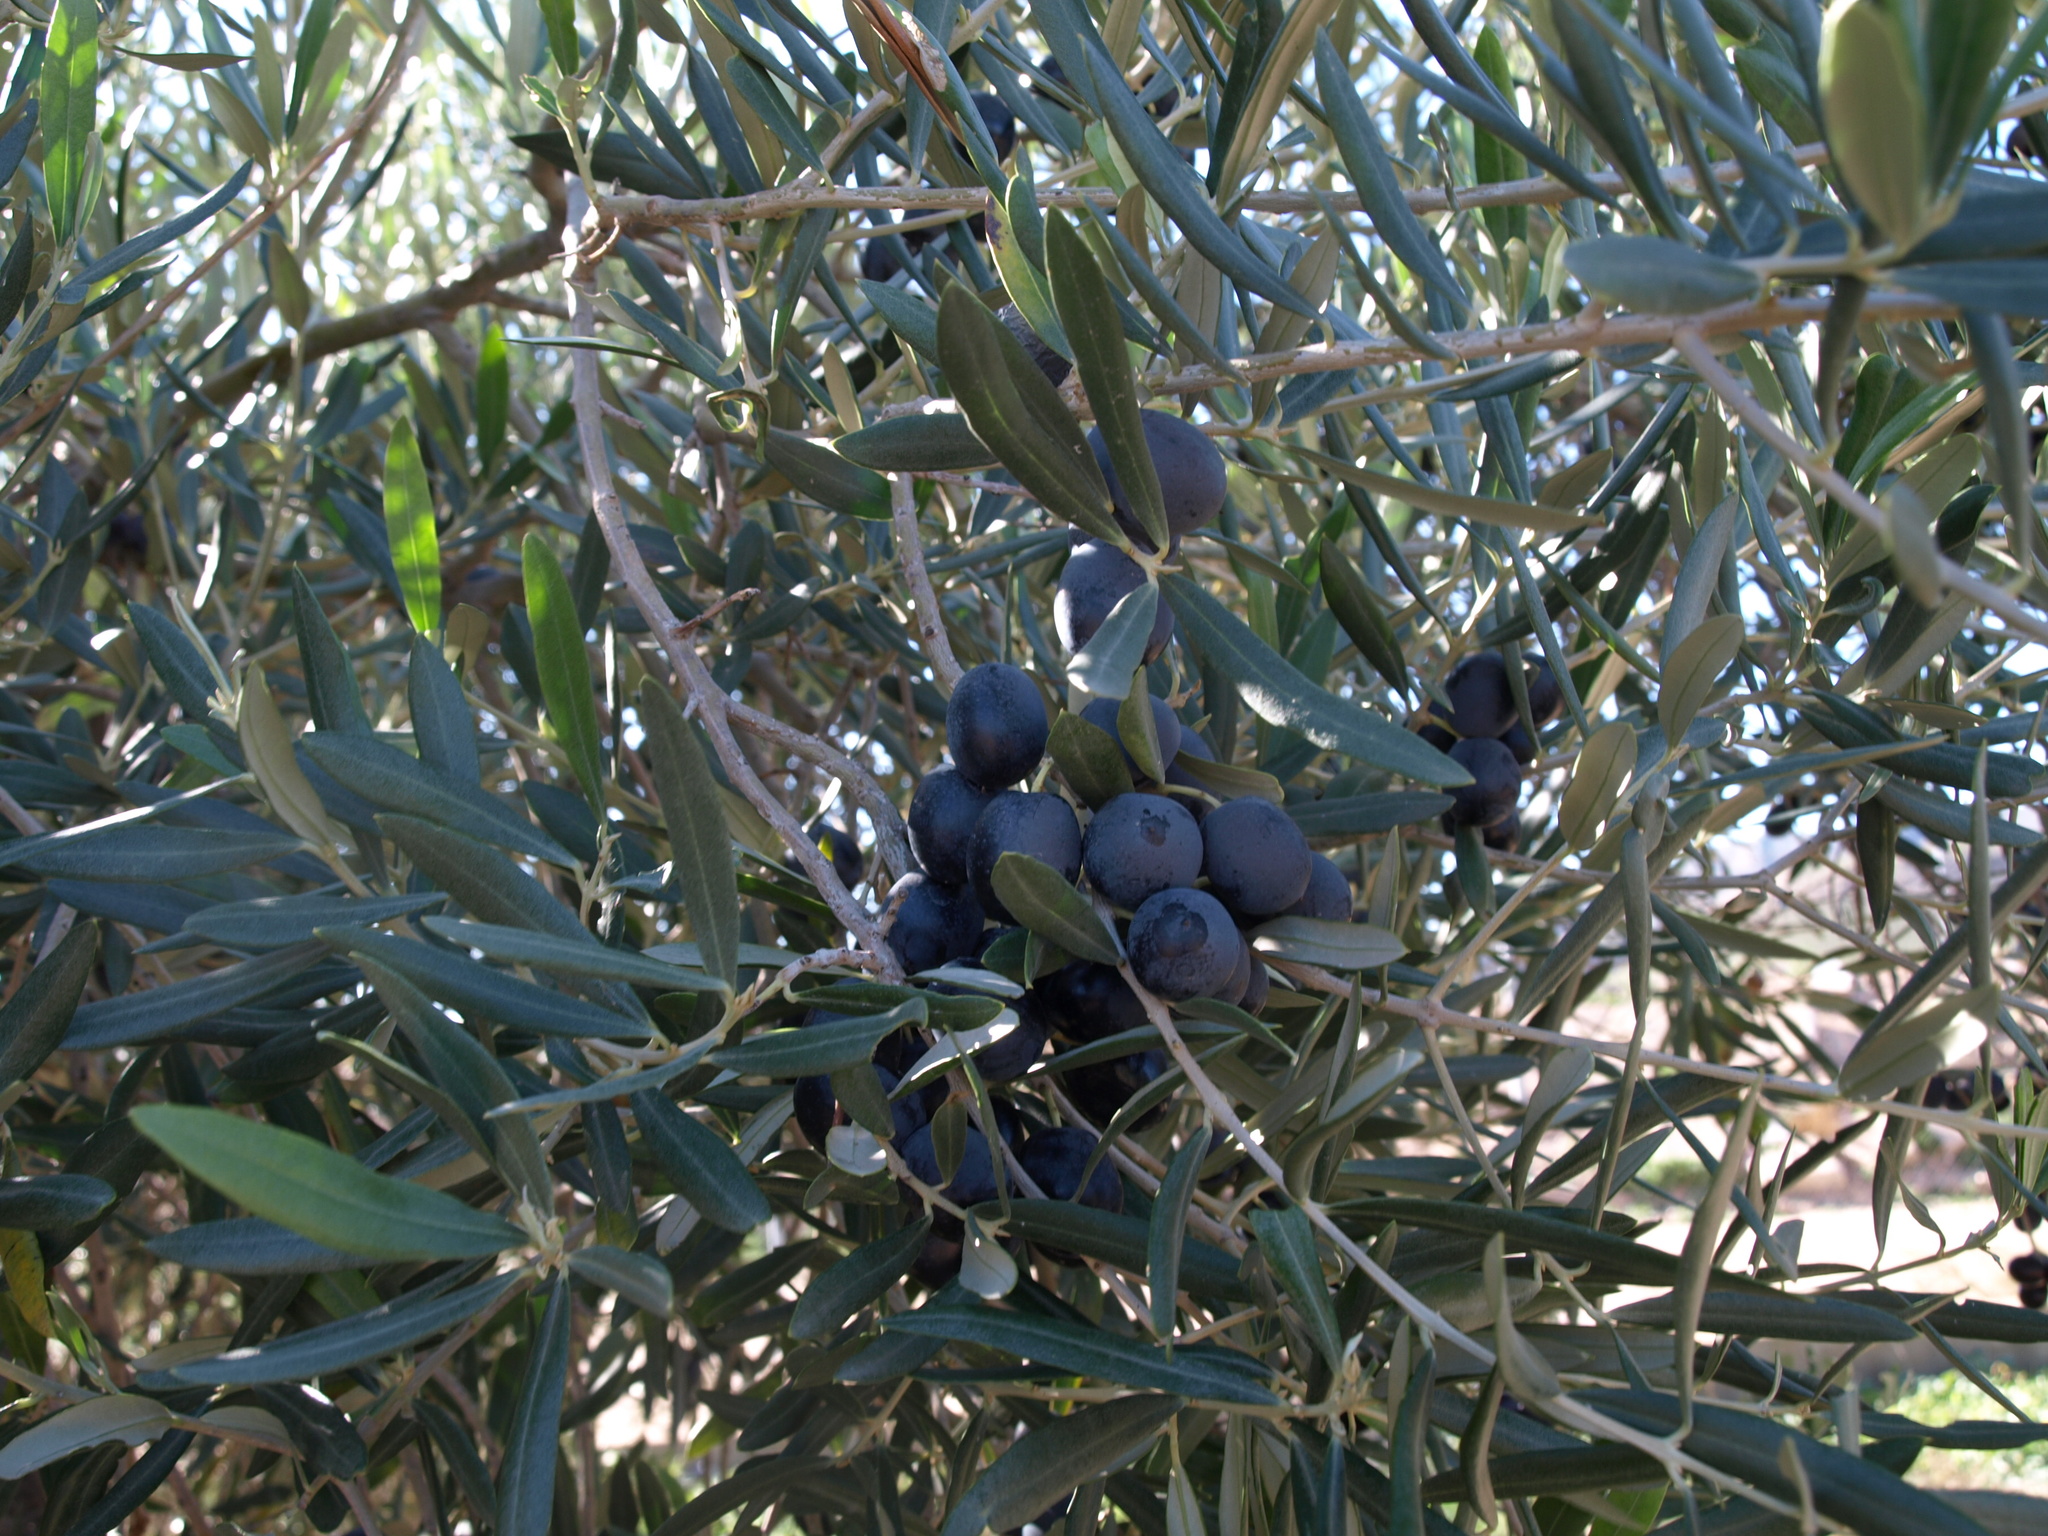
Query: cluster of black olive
point(1482, 730)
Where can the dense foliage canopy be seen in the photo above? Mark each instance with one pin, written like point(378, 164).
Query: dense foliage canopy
point(670, 674)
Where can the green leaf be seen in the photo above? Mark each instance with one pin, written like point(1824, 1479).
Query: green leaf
point(147, 854)
point(1815, 1319)
point(570, 957)
point(701, 1164)
point(1876, 110)
point(560, 16)
point(71, 68)
point(33, 1022)
point(1040, 898)
point(319, 1193)
point(1166, 1237)
point(1178, 190)
point(1054, 1459)
point(639, 1278)
point(350, 1341)
point(139, 1016)
point(482, 880)
point(1289, 1244)
point(698, 840)
point(1691, 670)
point(1089, 759)
point(391, 780)
point(121, 1416)
point(930, 440)
point(1277, 693)
point(564, 667)
point(474, 989)
point(821, 474)
point(332, 695)
point(1096, 334)
point(1199, 1370)
point(443, 721)
point(1604, 764)
point(909, 317)
point(1358, 611)
point(1349, 817)
point(864, 1276)
point(1902, 1051)
point(1335, 946)
point(249, 1245)
point(493, 396)
point(1014, 409)
point(1656, 276)
point(409, 521)
point(526, 1479)
point(52, 1200)
point(820, 1049)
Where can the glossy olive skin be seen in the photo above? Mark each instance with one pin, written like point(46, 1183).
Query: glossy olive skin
point(996, 725)
point(942, 817)
point(1040, 826)
point(817, 1106)
point(1183, 944)
point(1255, 857)
point(1085, 1000)
point(1233, 990)
point(1139, 845)
point(1482, 703)
point(1165, 725)
point(1097, 577)
point(973, 1182)
point(1328, 896)
point(1496, 783)
point(935, 923)
point(1054, 1159)
point(1257, 988)
point(1192, 479)
point(1012, 1056)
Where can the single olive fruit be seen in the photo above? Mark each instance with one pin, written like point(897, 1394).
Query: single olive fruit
point(1482, 703)
point(997, 118)
point(818, 1110)
point(1011, 1057)
point(1138, 845)
point(1041, 826)
point(1257, 989)
point(1196, 800)
point(1496, 783)
point(1055, 1158)
point(841, 846)
point(996, 725)
point(1096, 578)
point(1085, 1000)
point(935, 923)
point(1050, 363)
point(1518, 743)
point(1101, 1088)
point(1233, 990)
point(1546, 699)
point(1183, 944)
point(942, 817)
point(974, 1181)
point(1192, 481)
point(1255, 857)
point(1165, 725)
point(1328, 896)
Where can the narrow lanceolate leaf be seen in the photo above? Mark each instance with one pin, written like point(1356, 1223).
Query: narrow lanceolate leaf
point(864, 1276)
point(409, 520)
point(36, 1017)
point(526, 1480)
point(1337, 946)
point(698, 840)
point(1696, 1261)
point(1289, 1244)
point(701, 1164)
point(1489, 510)
point(1096, 335)
point(1358, 611)
point(393, 781)
point(1278, 693)
point(1056, 1458)
point(123, 1417)
point(1201, 1370)
point(828, 479)
point(318, 1192)
point(51, 1200)
point(1167, 1236)
point(1654, 275)
point(1692, 669)
point(569, 957)
point(1876, 108)
point(820, 1049)
point(1012, 407)
point(332, 695)
point(639, 1278)
point(919, 442)
point(1089, 759)
point(1040, 898)
point(1604, 764)
point(1902, 1051)
point(349, 1342)
point(267, 746)
point(71, 67)
point(564, 666)
point(137, 1016)
point(151, 855)
point(493, 396)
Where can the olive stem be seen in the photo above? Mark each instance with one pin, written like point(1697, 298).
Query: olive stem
point(931, 620)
